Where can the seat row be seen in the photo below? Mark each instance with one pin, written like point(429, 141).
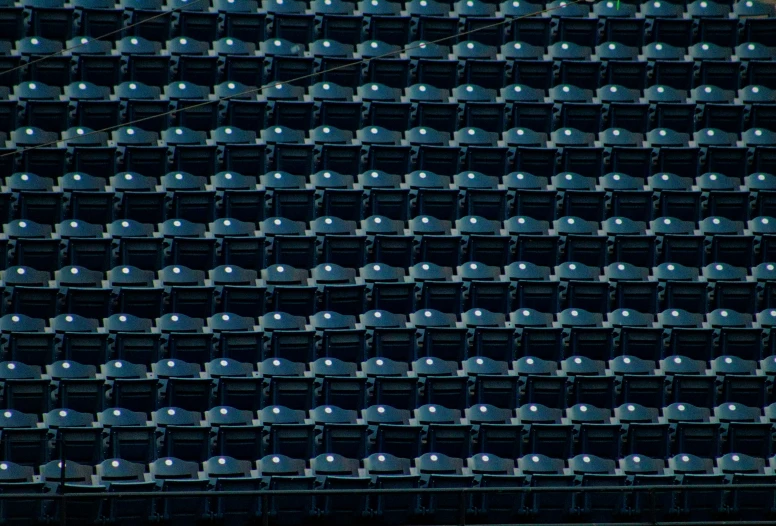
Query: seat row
point(249, 109)
point(432, 470)
point(145, 155)
point(418, 20)
point(563, 50)
point(380, 203)
point(427, 240)
point(382, 334)
point(382, 381)
point(124, 434)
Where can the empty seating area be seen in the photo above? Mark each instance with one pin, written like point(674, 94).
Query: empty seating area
point(469, 247)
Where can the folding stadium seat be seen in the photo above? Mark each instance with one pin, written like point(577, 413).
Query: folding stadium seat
point(125, 476)
point(745, 433)
point(26, 292)
point(431, 194)
point(670, 107)
point(431, 66)
point(712, 66)
point(93, 107)
point(391, 432)
point(237, 197)
point(597, 471)
point(339, 431)
point(187, 199)
point(534, 244)
point(13, 22)
point(26, 340)
point(243, 68)
point(529, 196)
point(718, 109)
point(544, 472)
point(338, 472)
point(184, 437)
point(284, 60)
point(578, 197)
point(55, 71)
point(190, 151)
point(719, 154)
point(237, 292)
point(73, 433)
point(191, 62)
point(134, 288)
point(383, 21)
point(634, 334)
point(387, 244)
point(75, 386)
point(436, 118)
point(38, 160)
point(761, 273)
point(35, 202)
point(75, 478)
point(143, 61)
point(95, 18)
point(579, 242)
point(384, 66)
point(93, 61)
point(726, 237)
point(194, 21)
point(397, 475)
point(688, 385)
point(629, 242)
point(760, 143)
point(677, 243)
point(760, 188)
point(186, 292)
point(173, 474)
point(291, 388)
point(438, 336)
point(21, 441)
point(727, 289)
point(287, 473)
point(288, 291)
point(338, 289)
point(682, 160)
point(235, 386)
point(236, 435)
point(129, 387)
point(335, 195)
point(721, 197)
point(230, 474)
point(182, 385)
point(438, 384)
point(479, 64)
point(86, 198)
point(338, 241)
point(139, 14)
point(480, 196)
point(193, 113)
point(435, 242)
point(144, 103)
point(85, 246)
point(287, 431)
point(698, 471)
point(139, 152)
point(753, 502)
point(526, 108)
point(128, 435)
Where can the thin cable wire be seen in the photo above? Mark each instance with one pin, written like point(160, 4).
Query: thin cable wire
point(111, 33)
point(291, 81)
